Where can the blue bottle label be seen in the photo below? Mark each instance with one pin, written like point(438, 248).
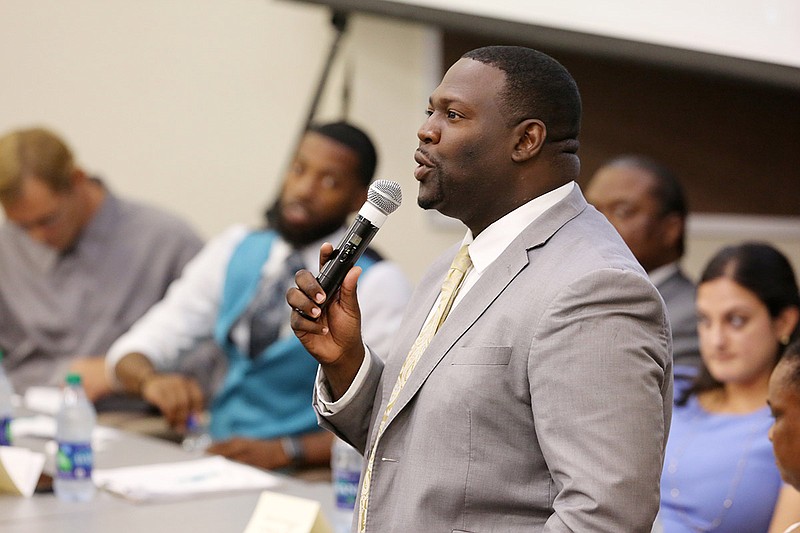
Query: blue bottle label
point(5, 431)
point(345, 486)
point(74, 460)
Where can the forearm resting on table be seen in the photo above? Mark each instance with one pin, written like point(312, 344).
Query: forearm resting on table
point(93, 374)
point(311, 449)
point(133, 371)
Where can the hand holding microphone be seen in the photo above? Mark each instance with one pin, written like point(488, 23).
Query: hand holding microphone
point(336, 341)
point(383, 198)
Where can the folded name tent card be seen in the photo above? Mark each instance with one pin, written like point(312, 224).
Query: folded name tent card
point(281, 513)
point(20, 469)
point(183, 479)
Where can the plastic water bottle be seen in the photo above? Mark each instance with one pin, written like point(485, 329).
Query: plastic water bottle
point(346, 473)
point(197, 437)
point(74, 460)
point(6, 406)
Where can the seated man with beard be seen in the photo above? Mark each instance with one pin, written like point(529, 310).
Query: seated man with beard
point(262, 414)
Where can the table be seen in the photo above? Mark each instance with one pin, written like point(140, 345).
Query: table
point(106, 513)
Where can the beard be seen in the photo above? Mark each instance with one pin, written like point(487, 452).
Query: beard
point(431, 190)
point(298, 237)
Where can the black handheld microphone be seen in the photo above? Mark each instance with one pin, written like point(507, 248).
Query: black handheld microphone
point(383, 198)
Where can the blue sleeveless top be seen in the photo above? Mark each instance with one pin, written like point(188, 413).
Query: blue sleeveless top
point(266, 396)
point(719, 472)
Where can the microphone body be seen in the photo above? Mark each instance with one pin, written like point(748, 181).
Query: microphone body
point(383, 198)
point(346, 254)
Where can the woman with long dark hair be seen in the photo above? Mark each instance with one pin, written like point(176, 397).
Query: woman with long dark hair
point(719, 468)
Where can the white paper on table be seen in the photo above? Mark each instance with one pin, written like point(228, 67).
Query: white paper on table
point(20, 469)
point(183, 479)
point(281, 513)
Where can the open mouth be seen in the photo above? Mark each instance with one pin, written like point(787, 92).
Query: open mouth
point(423, 164)
point(296, 213)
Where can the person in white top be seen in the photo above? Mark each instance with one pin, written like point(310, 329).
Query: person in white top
point(261, 414)
point(784, 402)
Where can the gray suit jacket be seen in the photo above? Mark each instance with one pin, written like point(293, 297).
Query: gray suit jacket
point(542, 404)
point(678, 293)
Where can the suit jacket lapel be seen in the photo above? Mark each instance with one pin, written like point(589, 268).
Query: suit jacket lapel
point(492, 282)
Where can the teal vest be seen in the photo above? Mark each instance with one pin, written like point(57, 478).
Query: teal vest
point(267, 396)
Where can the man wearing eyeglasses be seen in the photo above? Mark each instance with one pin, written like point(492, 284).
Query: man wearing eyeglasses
point(78, 265)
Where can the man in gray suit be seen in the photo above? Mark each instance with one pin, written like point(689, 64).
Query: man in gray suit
point(542, 403)
point(646, 204)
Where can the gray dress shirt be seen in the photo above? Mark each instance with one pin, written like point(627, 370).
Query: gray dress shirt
point(54, 306)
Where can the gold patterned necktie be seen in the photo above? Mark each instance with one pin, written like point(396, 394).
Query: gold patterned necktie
point(452, 282)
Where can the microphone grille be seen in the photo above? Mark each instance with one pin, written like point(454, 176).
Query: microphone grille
point(386, 195)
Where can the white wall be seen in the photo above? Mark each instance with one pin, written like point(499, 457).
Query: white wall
point(195, 104)
point(707, 233)
point(760, 30)
point(189, 104)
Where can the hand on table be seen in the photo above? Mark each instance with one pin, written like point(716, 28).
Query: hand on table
point(175, 395)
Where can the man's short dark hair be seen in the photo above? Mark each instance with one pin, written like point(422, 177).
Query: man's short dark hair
point(668, 190)
point(537, 86)
point(355, 139)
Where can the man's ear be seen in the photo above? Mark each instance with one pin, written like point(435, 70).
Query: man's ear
point(673, 228)
point(531, 134)
point(77, 177)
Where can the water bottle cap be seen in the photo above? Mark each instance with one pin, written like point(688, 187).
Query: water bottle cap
point(73, 379)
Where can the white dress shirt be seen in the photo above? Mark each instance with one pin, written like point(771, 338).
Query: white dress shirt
point(664, 272)
point(188, 313)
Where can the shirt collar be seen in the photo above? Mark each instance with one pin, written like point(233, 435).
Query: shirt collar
point(662, 273)
point(491, 242)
